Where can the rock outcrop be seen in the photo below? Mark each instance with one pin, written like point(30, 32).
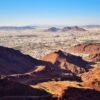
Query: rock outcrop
point(66, 62)
point(86, 48)
point(94, 57)
point(89, 51)
point(92, 78)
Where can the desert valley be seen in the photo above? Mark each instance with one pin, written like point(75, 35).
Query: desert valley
point(50, 63)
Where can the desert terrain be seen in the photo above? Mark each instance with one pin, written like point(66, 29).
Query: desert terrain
point(54, 63)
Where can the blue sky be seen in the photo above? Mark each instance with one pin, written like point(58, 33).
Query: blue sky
point(49, 12)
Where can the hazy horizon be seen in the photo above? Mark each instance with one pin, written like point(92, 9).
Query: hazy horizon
point(49, 12)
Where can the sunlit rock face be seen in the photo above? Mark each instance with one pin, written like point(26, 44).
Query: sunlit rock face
point(92, 78)
point(89, 51)
point(86, 48)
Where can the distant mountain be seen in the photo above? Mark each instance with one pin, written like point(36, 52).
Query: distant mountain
point(92, 26)
point(16, 27)
point(74, 28)
point(52, 29)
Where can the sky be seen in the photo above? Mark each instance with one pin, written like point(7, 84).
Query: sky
point(49, 12)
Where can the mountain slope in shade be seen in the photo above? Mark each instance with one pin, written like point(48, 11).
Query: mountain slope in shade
point(11, 88)
point(73, 93)
point(14, 62)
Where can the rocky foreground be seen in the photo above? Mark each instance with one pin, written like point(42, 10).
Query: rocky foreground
point(56, 76)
